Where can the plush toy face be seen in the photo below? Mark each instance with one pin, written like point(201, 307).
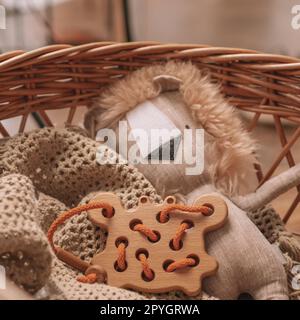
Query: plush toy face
point(182, 160)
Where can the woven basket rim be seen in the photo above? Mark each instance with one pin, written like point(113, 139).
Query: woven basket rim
point(140, 48)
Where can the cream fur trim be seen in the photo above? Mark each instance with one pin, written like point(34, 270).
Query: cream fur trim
point(233, 149)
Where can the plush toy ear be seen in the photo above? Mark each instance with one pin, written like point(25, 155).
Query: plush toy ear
point(166, 83)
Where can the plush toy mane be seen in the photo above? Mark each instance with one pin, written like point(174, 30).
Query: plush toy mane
point(233, 149)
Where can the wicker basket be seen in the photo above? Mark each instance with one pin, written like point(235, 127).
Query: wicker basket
point(62, 76)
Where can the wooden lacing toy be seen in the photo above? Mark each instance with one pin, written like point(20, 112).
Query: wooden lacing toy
point(152, 248)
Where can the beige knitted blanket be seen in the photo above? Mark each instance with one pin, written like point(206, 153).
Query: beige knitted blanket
point(44, 173)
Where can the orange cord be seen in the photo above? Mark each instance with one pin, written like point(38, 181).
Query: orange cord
point(121, 264)
point(163, 217)
point(121, 260)
point(89, 278)
point(179, 235)
point(146, 231)
point(69, 214)
point(146, 268)
point(180, 264)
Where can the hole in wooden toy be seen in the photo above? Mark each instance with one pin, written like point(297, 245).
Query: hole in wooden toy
point(158, 218)
point(105, 213)
point(141, 251)
point(117, 267)
point(145, 278)
point(167, 263)
point(190, 223)
point(171, 245)
point(170, 200)
point(158, 237)
point(143, 199)
point(121, 240)
point(194, 257)
point(134, 222)
point(210, 206)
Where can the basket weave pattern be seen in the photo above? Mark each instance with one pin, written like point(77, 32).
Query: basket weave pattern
point(62, 76)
